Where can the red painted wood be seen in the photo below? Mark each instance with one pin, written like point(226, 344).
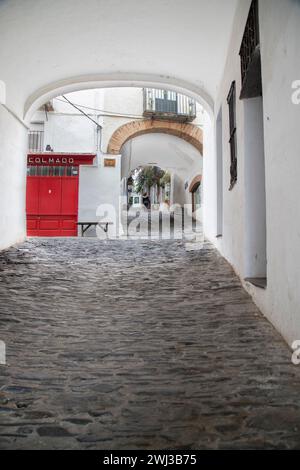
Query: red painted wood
point(50, 195)
point(69, 197)
point(52, 201)
point(52, 206)
point(32, 195)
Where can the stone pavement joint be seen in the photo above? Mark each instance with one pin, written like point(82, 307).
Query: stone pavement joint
point(138, 344)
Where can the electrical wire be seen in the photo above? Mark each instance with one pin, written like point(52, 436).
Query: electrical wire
point(80, 110)
point(112, 113)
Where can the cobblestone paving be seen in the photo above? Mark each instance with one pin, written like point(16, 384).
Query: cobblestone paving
point(137, 344)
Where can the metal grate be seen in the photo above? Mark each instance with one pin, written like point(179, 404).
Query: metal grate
point(231, 100)
point(165, 105)
point(250, 39)
point(35, 141)
point(168, 104)
point(41, 170)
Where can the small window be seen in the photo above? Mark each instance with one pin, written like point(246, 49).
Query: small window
point(45, 171)
point(196, 195)
point(250, 56)
point(71, 170)
point(231, 100)
point(32, 170)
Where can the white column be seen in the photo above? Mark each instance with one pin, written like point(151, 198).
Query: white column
point(13, 147)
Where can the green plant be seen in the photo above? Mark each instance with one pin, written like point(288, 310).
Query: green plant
point(148, 177)
point(165, 179)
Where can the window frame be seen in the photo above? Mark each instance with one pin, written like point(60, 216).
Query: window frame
point(231, 101)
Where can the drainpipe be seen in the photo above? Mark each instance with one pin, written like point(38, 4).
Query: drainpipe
point(99, 143)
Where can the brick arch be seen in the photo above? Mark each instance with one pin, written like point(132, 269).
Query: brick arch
point(195, 181)
point(186, 131)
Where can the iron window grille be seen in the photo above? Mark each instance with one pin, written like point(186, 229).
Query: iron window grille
point(250, 55)
point(166, 104)
point(231, 100)
point(35, 141)
point(40, 170)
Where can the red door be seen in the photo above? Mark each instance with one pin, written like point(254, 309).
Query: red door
point(69, 206)
point(49, 195)
point(52, 206)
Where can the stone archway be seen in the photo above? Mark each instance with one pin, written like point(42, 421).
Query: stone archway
point(195, 181)
point(186, 131)
point(193, 189)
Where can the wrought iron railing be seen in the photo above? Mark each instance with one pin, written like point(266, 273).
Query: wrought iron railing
point(165, 104)
point(35, 141)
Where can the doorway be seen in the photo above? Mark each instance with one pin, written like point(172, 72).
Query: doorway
point(52, 194)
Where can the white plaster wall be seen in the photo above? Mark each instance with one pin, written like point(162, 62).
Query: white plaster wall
point(169, 153)
point(85, 98)
point(67, 129)
point(70, 133)
point(232, 242)
point(279, 29)
point(280, 38)
point(255, 194)
point(126, 101)
point(219, 172)
point(54, 41)
point(209, 184)
point(50, 48)
point(13, 140)
point(42, 52)
point(98, 185)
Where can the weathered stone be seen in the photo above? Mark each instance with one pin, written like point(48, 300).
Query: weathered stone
point(53, 431)
point(80, 421)
point(147, 345)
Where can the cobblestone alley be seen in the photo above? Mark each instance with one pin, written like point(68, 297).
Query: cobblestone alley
point(138, 344)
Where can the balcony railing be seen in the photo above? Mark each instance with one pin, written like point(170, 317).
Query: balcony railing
point(164, 104)
point(35, 141)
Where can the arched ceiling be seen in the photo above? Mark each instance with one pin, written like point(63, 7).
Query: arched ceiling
point(168, 152)
point(53, 47)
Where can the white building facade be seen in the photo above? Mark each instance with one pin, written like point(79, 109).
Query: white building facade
point(85, 121)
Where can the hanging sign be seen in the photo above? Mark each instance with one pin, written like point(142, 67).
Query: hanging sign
point(60, 159)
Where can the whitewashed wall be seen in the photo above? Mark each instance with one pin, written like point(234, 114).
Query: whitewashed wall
point(67, 130)
point(70, 133)
point(12, 179)
point(98, 185)
point(168, 152)
point(50, 48)
point(279, 29)
point(43, 60)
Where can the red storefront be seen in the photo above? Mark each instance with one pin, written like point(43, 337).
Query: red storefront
point(52, 193)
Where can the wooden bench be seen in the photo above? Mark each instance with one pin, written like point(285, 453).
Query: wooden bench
point(86, 225)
